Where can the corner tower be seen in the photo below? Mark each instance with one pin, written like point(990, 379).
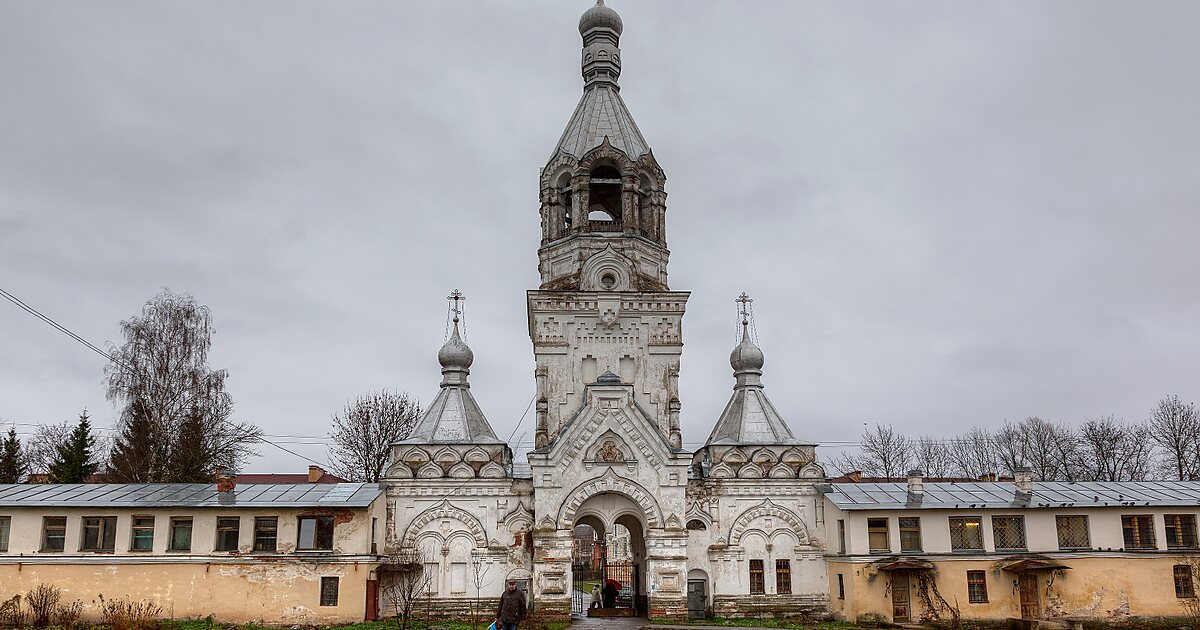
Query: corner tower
point(604, 304)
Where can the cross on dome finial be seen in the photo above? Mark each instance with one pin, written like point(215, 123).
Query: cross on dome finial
point(456, 298)
point(743, 302)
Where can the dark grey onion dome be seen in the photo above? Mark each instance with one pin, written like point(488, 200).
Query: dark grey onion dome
point(455, 355)
point(746, 356)
point(600, 16)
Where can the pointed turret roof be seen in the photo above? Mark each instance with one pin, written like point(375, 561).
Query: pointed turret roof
point(749, 417)
point(454, 417)
point(601, 113)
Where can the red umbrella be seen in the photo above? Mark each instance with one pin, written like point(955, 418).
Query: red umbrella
point(615, 584)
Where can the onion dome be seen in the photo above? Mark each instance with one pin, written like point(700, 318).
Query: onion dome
point(599, 16)
point(455, 354)
point(746, 357)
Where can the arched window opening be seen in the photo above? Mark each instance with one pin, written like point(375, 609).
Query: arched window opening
point(565, 194)
point(696, 525)
point(604, 199)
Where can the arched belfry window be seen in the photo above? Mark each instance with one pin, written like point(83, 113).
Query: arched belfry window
point(565, 193)
point(604, 199)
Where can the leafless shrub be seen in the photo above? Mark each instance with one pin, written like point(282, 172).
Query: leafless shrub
point(42, 601)
point(408, 581)
point(124, 614)
point(67, 615)
point(12, 614)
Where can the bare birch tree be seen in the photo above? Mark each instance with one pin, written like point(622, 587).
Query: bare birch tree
point(363, 433)
point(1175, 428)
point(175, 423)
point(883, 453)
point(1115, 451)
point(480, 578)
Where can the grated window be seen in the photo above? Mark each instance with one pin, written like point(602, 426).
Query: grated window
point(966, 533)
point(1072, 532)
point(1138, 531)
point(1008, 532)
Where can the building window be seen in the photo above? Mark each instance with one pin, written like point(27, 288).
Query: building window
point(181, 534)
point(329, 591)
point(266, 533)
point(1181, 531)
point(758, 584)
point(142, 535)
point(99, 534)
point(842, 536)
point(841, 587)
point(877, 535)
point(977, 587)
point(696, 525)
point(1185, 586)
point(910, 534)
point(783, 577)
point(228, 528)
point(5, 527)
point(54, 533)
point(316, 533)
point(1138, 531)
point(1072, 532)
point(966, 533)
point(1009, 532)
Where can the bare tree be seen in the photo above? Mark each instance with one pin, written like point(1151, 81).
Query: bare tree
point(42, 447)
point(934, 457)
point(1115, 451)
point(1049, 449)
point(975, 453)
point(883, 453)
point(363, 434)
point(1175, 428)
point(480, 579)
point(175, 412)
point(408, 581)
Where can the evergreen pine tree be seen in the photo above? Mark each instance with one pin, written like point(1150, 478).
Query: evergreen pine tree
point(135, 455)
point(12, 460)
point(190, 458)
point(74, 462)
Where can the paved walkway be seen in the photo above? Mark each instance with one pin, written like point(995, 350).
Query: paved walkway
point(609, 623)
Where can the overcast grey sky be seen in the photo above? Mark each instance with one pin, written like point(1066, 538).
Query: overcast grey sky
point(948, 213)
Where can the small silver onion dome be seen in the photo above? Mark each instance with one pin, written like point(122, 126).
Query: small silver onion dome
point(746, 356)
point(599, 16)
point(455, 354)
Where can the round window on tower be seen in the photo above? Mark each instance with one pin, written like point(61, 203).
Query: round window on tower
point(608, 280)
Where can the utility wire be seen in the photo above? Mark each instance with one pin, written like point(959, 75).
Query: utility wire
point(90, 346)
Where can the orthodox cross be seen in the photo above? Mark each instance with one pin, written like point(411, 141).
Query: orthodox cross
point(456, 298)
point(743, 302)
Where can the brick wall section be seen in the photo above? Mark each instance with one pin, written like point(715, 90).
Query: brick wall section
point(760, 606)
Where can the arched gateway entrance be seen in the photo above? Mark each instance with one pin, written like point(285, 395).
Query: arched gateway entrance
point(609, 553)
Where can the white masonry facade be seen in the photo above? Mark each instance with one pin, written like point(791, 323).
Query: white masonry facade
point(734, 527)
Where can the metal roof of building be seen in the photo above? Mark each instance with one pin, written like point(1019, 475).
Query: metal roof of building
point(1000, 495)
point(189, 495)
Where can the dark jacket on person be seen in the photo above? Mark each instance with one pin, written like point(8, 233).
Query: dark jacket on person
point(512, 606)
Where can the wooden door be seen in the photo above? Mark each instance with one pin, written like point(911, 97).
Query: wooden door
point(697, 598)
point(901, 601)
point(1030, 605)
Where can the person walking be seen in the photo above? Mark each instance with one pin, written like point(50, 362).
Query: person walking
point(512, 607)
point(595, 597)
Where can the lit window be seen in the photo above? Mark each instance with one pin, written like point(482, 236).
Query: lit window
point(142, 535)
point(966, 533)
point(877, 535)
point(977, 587)
point(54, 533)
point(228, 529)
point(1009, 532)
point(1185, 586)
point(266, 533)
point(329, 591)
point(783, 577)
point(181, 534)
point(758, 583)
point(1138, 531)
point(1181, 531)
point(1072, 532)
point(910, 534)
point(316, 533)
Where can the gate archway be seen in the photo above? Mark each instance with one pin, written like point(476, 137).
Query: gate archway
point(609, 553)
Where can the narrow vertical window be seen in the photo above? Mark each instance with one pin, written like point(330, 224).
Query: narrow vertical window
point(142, 534)
point(966, 533)
point(329, 591)
point(758, 584)
point(1181, 531)
point(977, 587)
point(5, 528)
point(54, 533)
point(783, 577)
point(181, 534)
point(1185, 586)
point(910, 534)
point(842, 536)
point(228, 531)
point(877, 535)
point(266, 533)
point(841, 587)
point(1138, 531)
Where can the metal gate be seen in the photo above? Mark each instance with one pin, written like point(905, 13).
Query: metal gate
point(587, 572)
